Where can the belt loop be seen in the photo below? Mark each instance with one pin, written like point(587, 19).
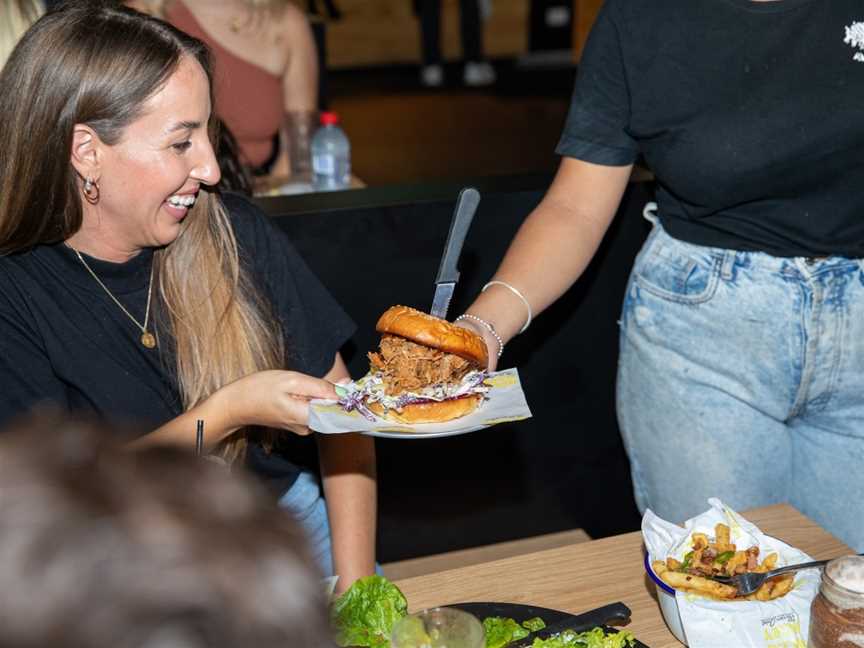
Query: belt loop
point(649, 212)
point(728, 264)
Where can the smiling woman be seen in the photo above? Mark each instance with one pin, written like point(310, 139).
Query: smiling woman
point(130, 289)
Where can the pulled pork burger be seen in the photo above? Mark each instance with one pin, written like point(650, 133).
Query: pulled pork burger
point(426, 370)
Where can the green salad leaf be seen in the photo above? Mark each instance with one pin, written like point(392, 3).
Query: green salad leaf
point(364, 615)
point(724, 557)
point(534, 624)
point(595, 638)
point(500, 631)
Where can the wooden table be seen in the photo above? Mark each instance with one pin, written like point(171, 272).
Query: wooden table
point(583, 576)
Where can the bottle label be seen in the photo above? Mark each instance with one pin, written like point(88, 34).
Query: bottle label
point(324, 164)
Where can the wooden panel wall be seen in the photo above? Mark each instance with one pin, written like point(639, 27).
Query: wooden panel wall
point(381, 32)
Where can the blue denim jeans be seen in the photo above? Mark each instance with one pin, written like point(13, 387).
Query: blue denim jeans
point(741, 376)
point(303, 500)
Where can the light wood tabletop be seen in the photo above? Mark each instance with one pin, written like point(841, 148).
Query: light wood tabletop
point(583, 576)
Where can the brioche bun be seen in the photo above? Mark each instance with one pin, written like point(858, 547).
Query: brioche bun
point(432, 412)
point(433, 332)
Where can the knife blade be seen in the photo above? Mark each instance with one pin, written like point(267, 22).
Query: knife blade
point(448, 273)
point(578, 623)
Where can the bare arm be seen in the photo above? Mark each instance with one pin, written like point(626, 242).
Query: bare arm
point(276, 399)
point(553, 246)
point(152, 7)
point(349, 475)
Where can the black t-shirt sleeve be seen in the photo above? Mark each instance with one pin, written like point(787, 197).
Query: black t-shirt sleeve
point(26, 375)
point(313, 323)
point(597, 124)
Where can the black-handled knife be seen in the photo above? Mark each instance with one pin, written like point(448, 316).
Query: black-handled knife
point(617, 612)
point(448, 273)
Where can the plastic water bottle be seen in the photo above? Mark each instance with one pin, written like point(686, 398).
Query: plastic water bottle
point(331, 155)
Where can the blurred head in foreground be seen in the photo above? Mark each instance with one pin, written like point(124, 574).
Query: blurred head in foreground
point(102, 547)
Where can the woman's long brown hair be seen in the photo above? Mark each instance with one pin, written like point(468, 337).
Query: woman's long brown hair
point(96, 63)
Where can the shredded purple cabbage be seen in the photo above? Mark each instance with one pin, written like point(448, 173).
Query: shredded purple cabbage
point(355, 400)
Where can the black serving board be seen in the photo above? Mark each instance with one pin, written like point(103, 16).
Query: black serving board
point(520, 613)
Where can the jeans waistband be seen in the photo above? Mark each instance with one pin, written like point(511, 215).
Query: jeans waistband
point(728, 258)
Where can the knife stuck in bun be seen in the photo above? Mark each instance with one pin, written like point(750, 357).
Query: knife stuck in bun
point(426, 370)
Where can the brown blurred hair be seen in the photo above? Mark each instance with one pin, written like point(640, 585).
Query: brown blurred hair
point(106, 548)
point(97, 63)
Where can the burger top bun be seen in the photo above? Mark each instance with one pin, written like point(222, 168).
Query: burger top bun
point(433, 332)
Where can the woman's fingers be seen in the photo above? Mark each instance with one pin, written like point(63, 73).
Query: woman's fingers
point(302, 385)
point(492, 345)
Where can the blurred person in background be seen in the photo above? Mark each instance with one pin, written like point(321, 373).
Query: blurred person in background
point(129, 289)
point(266, 76)
point(16, 16)
point(105, 548)
point(741, 365)
point(330, 7)
point(476, 71)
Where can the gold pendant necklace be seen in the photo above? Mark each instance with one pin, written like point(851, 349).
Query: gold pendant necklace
point(147, 338)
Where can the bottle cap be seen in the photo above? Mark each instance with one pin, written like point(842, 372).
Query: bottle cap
point(329, 118)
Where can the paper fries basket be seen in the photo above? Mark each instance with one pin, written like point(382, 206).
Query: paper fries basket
point(701, 622)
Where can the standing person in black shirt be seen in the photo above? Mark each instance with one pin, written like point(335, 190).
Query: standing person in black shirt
point(128, 289)
point(741, 370)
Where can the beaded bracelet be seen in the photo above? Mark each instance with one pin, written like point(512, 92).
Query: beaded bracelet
point(488, 327)
point(519, 295)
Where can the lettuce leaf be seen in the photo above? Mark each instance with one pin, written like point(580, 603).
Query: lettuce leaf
point(500, 631)
point(595, 638)
point(534, 624)
point(364, 615)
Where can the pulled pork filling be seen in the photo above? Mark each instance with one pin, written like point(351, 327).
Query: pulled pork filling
point(405, 366)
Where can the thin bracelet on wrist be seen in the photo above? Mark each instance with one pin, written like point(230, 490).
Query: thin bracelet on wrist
point(487, 326)
point(519, 295)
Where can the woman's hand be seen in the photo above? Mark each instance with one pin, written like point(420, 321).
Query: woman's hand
point(492, 344)
point(277, 399)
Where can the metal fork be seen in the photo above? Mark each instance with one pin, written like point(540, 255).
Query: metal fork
point(751, 581)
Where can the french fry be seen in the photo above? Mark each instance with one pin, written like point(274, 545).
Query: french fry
point(700, 584)
point(696, 577)
point(782, 585)
point(721, 533)
point(736, 561)
point(768, 563)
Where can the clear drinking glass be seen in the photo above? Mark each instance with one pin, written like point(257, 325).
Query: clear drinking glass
point(301, 126)
point(440, 627)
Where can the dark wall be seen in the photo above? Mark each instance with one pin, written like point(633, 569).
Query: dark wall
point(563, 468)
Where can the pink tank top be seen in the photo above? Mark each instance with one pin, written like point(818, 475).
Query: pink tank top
point(248, 98)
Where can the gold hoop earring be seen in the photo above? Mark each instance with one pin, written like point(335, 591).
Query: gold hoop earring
point(91, 191)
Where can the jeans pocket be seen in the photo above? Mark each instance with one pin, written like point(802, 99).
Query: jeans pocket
point(678, 272)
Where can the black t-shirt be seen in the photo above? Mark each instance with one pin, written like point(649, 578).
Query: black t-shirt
point(64, 341)
point(749, 114)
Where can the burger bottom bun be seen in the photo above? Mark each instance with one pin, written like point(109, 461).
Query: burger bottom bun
point(433, 412)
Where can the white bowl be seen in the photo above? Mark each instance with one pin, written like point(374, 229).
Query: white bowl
point(668, 603)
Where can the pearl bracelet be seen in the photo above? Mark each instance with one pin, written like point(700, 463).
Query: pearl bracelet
point(519, 295)
point(487, 326)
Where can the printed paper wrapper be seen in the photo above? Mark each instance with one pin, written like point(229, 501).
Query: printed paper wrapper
point(781, 623)
point(505, 403)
